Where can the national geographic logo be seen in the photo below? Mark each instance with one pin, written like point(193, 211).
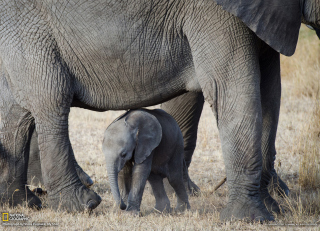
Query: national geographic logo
point(5, 216)
point(19, 219)
point(14, 217)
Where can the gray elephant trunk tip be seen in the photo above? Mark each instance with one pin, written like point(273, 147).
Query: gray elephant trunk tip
point(122, 205)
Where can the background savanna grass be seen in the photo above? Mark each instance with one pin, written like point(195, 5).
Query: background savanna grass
point(297, 162)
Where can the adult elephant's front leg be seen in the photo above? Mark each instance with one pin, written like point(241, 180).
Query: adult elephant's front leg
point(49, 103)
point(226, 60)
point(239, 123)
point(239, 120)
point(34, 166)
point(64, 187)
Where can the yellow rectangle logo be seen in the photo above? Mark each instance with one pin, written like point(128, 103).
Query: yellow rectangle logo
point(5, 216)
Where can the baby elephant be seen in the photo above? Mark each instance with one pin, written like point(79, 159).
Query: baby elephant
point(145, 145)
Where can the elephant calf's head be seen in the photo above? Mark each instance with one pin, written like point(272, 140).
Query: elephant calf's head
point(132, 137)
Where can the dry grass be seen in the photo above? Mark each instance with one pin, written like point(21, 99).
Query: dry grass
point(303, 71)
point(297, 140)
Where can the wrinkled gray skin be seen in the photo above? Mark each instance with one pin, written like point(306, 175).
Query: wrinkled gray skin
point(104, 55)
point(149, 145)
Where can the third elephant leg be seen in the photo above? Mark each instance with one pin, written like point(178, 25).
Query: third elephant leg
point(270, 88)
point(16, 128)
point(186, 110)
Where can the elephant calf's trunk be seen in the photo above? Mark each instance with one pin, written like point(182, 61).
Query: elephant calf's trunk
point(113, 179)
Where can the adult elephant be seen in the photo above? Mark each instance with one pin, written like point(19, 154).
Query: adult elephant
point(105, 55)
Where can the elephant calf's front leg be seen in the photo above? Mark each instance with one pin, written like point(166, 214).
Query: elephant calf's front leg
point(125, 181)
point(140, 174)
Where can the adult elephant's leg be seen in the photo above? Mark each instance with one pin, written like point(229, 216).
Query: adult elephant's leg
point(186, 110)
point(42, 83)
point(65, 189)
point(277, 185)
point(226, 60)
point(270, 102)
point(16, 128)
point(50, 107)
point(34, 167)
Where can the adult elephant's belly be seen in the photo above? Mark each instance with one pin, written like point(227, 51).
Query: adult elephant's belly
point(119, 63)
point(131, 78)
point(118, 89)
point(121, 57)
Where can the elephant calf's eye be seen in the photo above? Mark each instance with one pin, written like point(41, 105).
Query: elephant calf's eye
point(123, 155)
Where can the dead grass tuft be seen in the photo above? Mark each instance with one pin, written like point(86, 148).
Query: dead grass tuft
point(309, 168)
point(303, 72)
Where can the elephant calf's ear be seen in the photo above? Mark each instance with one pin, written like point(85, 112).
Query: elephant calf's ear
point(148, 137)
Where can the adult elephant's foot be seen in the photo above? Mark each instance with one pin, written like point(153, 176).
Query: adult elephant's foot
point(19, 196)
point(192, 188)
point(278, 185)
point(83, 176)
point(74, 199)
point(251, 209)
point(269, 202)
point(32, 199)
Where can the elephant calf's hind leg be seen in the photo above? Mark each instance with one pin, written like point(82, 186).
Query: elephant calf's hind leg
point(162, 200)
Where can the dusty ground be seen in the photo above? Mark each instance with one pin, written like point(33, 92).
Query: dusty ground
point(207, 168)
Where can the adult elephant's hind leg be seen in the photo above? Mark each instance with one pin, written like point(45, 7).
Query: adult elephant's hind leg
point(34, 165)
point(65, 189)
point(16, 129)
